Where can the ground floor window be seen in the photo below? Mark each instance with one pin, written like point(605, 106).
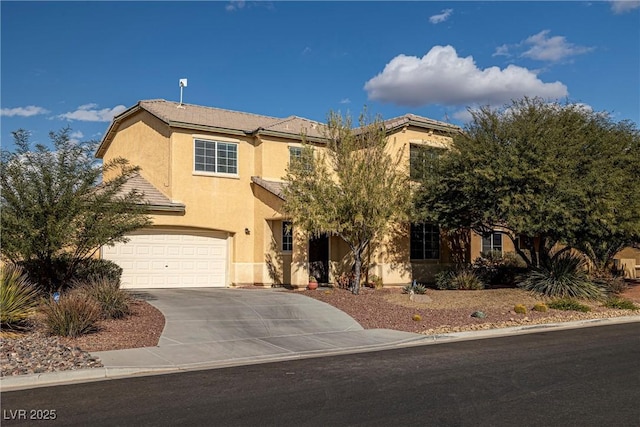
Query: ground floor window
point(492, 242)
point(287, 236)
point(425, 241)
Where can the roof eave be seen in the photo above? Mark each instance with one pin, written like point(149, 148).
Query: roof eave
point(215, 129)
point(287, 135)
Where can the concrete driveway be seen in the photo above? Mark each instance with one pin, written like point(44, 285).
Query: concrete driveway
point(212, 327)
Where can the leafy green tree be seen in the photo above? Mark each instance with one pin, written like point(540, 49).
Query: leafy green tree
point(56, 212)
point(354, 189)
point(546, 174)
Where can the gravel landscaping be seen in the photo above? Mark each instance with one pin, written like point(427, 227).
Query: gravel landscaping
point(440, 312)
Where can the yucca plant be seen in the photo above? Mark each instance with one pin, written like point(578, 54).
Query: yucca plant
point(18, 297)
point(563, 276)
point(113, 301)
point(74, 314)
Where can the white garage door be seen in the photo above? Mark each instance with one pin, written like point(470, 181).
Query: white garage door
point(154, 259)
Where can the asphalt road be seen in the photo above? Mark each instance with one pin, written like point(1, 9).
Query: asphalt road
point(581, 377)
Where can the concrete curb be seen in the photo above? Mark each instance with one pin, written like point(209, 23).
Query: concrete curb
point(22, 382)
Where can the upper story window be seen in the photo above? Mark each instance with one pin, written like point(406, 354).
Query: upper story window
point(287, 236)
point(492, 242)
point(418, 159)
point(425, 241)
point(300, 156)
point(215, 157)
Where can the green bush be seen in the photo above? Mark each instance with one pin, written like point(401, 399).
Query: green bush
point(620, 304)
point(57, 275)
point(18, 297)
point(461, 279)
point(74, 314)
point(563, 276)
point(569, 304)
point(114, 302)
point(96, 269)
point(495, 268)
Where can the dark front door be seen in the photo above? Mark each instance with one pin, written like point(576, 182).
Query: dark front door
point(319, 258)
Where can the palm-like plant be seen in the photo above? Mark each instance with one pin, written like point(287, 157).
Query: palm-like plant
point(562, 276)
point(18, 297)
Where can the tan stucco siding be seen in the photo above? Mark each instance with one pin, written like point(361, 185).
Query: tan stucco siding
point(143, 140)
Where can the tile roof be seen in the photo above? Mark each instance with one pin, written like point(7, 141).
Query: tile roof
point(173, 112)
point(274, 187)
point(419, 121)
point(152, 195)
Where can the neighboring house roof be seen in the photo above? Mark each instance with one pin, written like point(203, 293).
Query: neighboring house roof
point(274, 187)
point(151, 195)
point(419, 121)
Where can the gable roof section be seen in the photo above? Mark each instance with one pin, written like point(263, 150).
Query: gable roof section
point(274, 187)
point(197, 117)
point(151, 195)
point(419, 121)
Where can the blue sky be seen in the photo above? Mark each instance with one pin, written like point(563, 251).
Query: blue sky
point(79, 63)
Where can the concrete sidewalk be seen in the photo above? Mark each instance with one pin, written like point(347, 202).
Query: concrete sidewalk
point(210, 328)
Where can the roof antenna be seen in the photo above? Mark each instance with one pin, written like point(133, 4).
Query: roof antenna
point(183, 84)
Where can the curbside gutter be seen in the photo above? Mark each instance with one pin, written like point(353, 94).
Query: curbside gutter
point(48, 379)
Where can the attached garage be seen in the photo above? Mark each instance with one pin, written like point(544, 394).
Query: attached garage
point(171, 259)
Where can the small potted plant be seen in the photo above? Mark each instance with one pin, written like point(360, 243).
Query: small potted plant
point(313, 283)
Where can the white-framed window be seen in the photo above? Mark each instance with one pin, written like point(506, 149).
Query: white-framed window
point(492, 242)
point(425, 241)
point(287, 236)
point(299, 155)
point(215, 157)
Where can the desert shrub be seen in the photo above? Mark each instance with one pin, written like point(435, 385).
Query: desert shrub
point(95, 269)
point(520, 309)
point(18, 297)
point(376, 281)
point(74, 314)
point(59, 274)
point(563, 276)
point(568, 304)
point(460, 279)
point(416, 318)
point(415, 288)
point(620, 303)
point(495, 268)
point(114, 302)
point(541, 307)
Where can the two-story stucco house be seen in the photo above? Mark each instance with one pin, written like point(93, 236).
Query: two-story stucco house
point(213, 181)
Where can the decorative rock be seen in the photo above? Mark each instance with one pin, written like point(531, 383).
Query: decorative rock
point(478, 314)
point(420, 298)
point(37, 353)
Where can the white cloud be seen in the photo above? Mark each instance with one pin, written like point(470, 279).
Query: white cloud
point(502, 51)
point(554, 48)
point(443, 16)
point(345, 101)
point(76, 136)
point(28, 111)
point(442, 77)
point(306, 50)
point(90, 113)
point(235, 5)
point(624, 6)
